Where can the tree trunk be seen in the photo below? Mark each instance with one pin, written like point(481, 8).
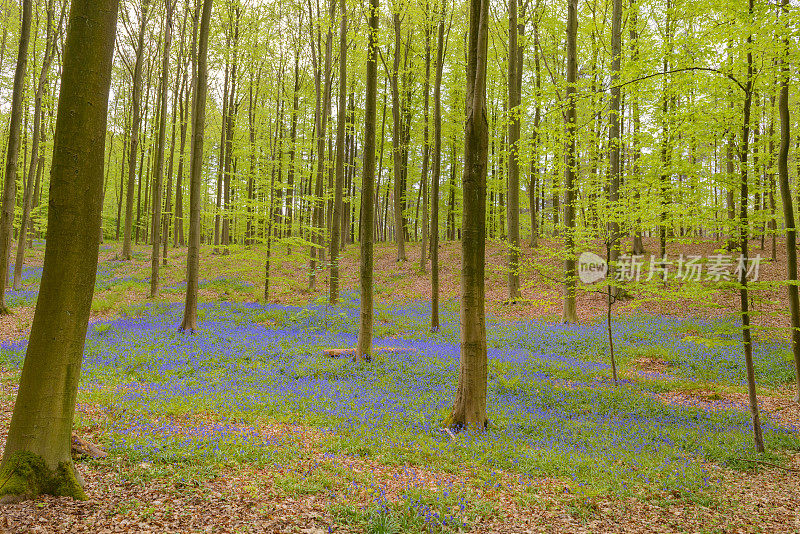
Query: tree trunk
point(437, 171)
point(290, 189)
point(158, 172)
point(136, 102)
point(469, 409)
point(423, 259)
point(38, 113)
point(515, 66)
point(743, 243)
point(10, 183)
point(788, 208)
point(614, 144)
point(397, 150)
point(364, 349)
point(324, 100)
point(570, 314)
point(336, 221)
point(37, 457)
point(189, 322)
point(638, 244)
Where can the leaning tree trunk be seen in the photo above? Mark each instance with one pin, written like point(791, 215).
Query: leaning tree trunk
point(158, 172)
point(134, 133)
point(336, 221)
point(788, 209)
point(196, 173)
point(570, 314)
point(469, 409)
point(37, 456)
point(10, 183)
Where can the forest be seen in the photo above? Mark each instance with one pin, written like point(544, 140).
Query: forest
point(396, 266)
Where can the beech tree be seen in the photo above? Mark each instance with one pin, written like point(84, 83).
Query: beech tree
point(189, 322)
point(10, 182)
point(469, 409)
point(37, 457)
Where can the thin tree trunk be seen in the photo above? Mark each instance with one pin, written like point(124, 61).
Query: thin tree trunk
point(788, 208)
point(614, 145)
point(158, 172)
point(437, 171)
point(336, 221)
point(743, 243)
point(515, 67)
point(38, 113)
point(397, 150)
point(570, 314)
point(638, 244)
point(136, 102)
point(189, 322)
point(10, 183)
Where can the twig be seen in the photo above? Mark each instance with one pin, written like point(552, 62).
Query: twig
point(762, 462)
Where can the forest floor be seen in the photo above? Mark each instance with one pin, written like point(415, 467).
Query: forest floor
point(247, 427)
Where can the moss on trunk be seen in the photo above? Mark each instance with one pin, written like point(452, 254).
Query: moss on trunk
point(25, 475)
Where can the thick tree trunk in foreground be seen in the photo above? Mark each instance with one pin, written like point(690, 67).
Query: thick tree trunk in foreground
point(570, 314)
point(196, 173)
point(134, 134)
point(469, 409)
point(10, 183)
point(37, 453)
point(788, 208)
